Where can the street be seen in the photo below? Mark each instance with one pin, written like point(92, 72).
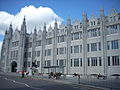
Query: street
point(8, 82)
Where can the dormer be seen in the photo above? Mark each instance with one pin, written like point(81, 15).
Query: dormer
point(76, 24)
point(93, 20)
point(113, 15)
point(39, 35)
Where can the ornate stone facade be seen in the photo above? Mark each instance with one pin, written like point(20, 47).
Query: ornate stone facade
point(87, 47)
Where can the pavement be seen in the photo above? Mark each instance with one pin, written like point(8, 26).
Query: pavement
point(89, 83)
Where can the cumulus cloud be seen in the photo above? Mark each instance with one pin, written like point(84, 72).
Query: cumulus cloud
point(0, 48)
point(34, 17)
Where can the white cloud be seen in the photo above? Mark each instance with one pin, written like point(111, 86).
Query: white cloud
point(34, 17)
point(0, 48)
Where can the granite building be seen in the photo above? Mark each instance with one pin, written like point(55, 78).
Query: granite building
point(89, 46)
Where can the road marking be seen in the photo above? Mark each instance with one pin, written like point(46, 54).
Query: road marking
point(27, 85)
point(36, 88)
point(23, 84)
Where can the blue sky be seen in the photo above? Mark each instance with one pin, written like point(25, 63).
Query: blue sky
point(63, 8)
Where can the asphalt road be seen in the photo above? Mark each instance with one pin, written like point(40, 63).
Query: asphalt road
point(8, 82)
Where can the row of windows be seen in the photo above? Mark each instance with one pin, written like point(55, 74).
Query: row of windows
point(14, 54)
point(112, 29)
point(93, 33)
point(47, 63)
point(113, 44)
point(61, 50)
point(37, 53)
point(113, 60)
point(48, 41)
point(112, 19)
point(38, 43)
point(76, 62)
point(30, 45)
point(27, 54)
point(61, 62)
point(38, 64)
point(61, 38)
point(15, 44)
point(94, 61)
point(94, 47)
point(48, 52)
point(76, 36)
point(76, 49)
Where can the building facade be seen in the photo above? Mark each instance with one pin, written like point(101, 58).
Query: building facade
point(87, 47)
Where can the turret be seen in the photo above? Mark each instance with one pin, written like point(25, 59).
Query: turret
point(44, 27)
point(35, 31)
point(101, 12)
point(10, 31)
point(23, 27)
point(84, 17)
point(68, 21)
point(55, 25)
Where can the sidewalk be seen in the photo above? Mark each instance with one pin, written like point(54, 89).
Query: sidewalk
point(98, 84)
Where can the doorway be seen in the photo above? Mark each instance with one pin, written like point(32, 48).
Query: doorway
point(13, 66)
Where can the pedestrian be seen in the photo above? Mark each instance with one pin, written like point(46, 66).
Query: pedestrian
point(23, 74)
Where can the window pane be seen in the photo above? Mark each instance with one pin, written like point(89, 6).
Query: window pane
point(76, 49)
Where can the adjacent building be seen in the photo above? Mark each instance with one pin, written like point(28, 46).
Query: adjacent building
point(89, 46)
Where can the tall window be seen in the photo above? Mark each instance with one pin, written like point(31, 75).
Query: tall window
point(30, 45)
point(76, 49)
point(115, 60)
point(80, 48)
point(76, 36)
point(76, 62)
point(48, 63)
point(114, 44)
point(61, 38)
point(108, 60)
point(28, 64)
point(61, 50)
point(100, 61)
point(15, 44)
point(88, 61)
point(38, 43)
point(29, 54)
point(93, 46)
point(71, 49)
point(81, 62)
point(49, 52)
point(71, 62)
point(38, 63)
point(48, 41)
point(108, 45)
point(61, 62)
point(88, 49)
point(38, 53)
point(99, 46)
point(94, 61)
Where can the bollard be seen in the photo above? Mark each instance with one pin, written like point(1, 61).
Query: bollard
point(78, 79)
point(64, 77)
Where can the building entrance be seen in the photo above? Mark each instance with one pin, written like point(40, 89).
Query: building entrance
point(13, 66)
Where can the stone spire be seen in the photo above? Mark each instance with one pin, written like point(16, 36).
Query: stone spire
point(68, 21)
point(44, 28)
point(23, 27)
point(10, 31)
point(101, 12)
point(35, 30)
point(84, 16)
point(55, 24)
